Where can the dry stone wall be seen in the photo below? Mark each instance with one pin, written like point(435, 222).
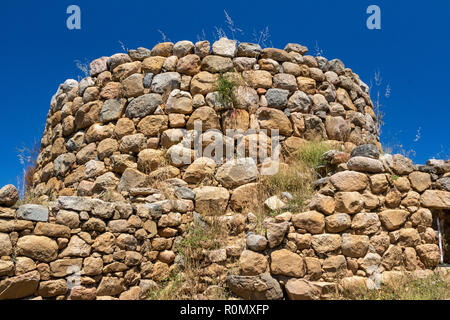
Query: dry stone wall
point(123, 172)
point(106, 133)
point(374, 221)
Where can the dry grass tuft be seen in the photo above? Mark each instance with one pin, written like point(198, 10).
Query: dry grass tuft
point(299, 174)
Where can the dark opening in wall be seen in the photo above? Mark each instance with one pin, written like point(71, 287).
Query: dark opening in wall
point(445, 227)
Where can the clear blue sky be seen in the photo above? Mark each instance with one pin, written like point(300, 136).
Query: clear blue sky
point(411, 51)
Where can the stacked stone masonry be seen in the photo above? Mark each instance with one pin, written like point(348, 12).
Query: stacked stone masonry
point(118, 202)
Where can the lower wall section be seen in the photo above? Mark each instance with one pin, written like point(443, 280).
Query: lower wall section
point(372, 221)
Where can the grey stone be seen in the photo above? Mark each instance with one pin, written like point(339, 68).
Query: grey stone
point(117, 59)
point(277, 98)
point(84, 84)
point(139, 54)
point(32, 212)
point(256, 242)
point(296, 48)
point(112, 109)
point(143, 105)
point(364, 164)
point(182, 48)
point(336, 66)
point(63, 163)
point(166, 82)
point(224, 47)
point(250, 50)
point(444, 183)
point(366, 150)
point(148, 78)
point(262, 287)
point(299, 102)
point(184, 193)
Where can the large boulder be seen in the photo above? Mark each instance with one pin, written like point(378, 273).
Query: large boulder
point(349, 181)
point(300, 289)
point(436, 199)
point(287, 263)
point(237, 172)
point(19, 286)
point(37, 247)
point(252, 263)
point(393, 219)
point(8, 195)
point(211, 200)
point(274, 119)
point(262, 287)
point(33, 212)
point(310, 221)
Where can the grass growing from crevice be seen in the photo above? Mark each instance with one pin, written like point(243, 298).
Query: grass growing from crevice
point(298, 176)
point(434, 287)
point(184, 283)
point(225, 85)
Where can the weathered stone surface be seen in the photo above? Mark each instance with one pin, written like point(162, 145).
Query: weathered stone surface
point(143, 105)
point(110, 286)
point(324, 204)
point(216, 64)
point(256, 242)
point(258, 78)
point(287, 263)
point(273, 119)
point(166, 82)
point(33, 212)
point(252, 263)
point(77, 247)
point(355, 246)
point(300, 289)
point(323, 243)
point(211, 200)
point(262, 287)
point(51, 230)
point(206, 116)
point(349, 202)
point(349, 181)
point(224, 47)
point(337, 129)
point(37, 247)
point(8, 195)
point(379, 183)
point(366, 150)
point(366, 223)
point(429, 254)
point(436, 199)
point(338, 222)
point(52, 288)
point(132, 178)
point(112, 109)
point(19, 286)
point(237, 172)
point(275, 233)
point(420, 181)
point(393, 219)
point(365, 164)
point(310, 221)
point(5, 245)
point(401, 165)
